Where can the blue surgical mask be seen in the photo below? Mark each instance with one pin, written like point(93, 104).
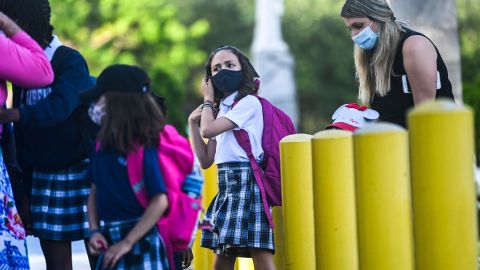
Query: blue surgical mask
point(366, 39)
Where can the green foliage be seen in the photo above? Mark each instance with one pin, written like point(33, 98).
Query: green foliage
point(231, 22)
point(323, 53)
point(172, 38)
point(142, 32)
point(317, 38)
point(469, 27)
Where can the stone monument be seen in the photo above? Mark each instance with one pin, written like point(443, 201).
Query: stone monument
point(272, 58)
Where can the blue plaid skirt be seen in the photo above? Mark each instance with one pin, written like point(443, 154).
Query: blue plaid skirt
point(236, 214)
point(13, 253)
point(147, 253)
point(59, 203)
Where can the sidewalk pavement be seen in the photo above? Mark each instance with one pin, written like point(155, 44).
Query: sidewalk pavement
point(37, 262)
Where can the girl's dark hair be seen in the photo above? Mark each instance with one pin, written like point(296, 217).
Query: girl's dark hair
point(131, 118)
point(33, 16)
point(250, 76)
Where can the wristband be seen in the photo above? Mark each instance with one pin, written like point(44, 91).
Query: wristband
point(208, 101)
point(207, 105)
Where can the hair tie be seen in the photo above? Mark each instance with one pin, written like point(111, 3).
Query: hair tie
point(257, 84)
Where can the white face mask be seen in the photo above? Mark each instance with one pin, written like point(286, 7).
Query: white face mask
point(96, 113)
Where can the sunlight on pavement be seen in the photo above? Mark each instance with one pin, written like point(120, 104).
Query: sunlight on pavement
point(37, 262)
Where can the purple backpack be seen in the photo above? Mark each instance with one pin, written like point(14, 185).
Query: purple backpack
point(276, 126)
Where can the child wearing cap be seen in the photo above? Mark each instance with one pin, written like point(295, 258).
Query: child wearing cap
point(129, 117)
point(352, 117)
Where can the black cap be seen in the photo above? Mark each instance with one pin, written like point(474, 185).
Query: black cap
point(118, 78)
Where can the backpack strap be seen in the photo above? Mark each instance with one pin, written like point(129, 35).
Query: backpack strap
point(244, 141)
point(135, 176)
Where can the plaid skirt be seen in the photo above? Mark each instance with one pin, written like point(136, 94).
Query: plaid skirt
point(147, 253)
point(236, 214)
point(59, 203)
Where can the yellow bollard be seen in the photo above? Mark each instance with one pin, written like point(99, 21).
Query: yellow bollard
point(244, 264)
point(334, 201)
point(384, 224)
point(203, 257)
point(297, 195)
point(278, 235)
point(441, 136)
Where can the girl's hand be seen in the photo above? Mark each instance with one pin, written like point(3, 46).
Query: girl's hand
point(97, 244)
point(9, 115)
point(195, 116)
point(207, 89)
point(115, 253)
point(187, 257)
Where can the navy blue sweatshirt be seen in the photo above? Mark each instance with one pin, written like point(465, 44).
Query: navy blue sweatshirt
point(48, 135)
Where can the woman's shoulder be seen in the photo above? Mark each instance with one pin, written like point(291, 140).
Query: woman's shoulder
point(417, 45)
point(412, 40)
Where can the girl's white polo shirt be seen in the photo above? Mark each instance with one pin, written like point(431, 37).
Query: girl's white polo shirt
point(247, 114)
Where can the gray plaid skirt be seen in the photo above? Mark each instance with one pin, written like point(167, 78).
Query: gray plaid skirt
point(236, 214)
point(147, 253)
point(59, 203)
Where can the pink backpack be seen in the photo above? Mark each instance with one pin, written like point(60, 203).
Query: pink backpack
point(276, 126)
point(178, 224)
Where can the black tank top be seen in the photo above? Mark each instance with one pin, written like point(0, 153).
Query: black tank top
point(393, 107)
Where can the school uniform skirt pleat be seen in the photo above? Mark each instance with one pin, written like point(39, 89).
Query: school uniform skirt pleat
point(59, 203)
point(147, 253)
point(236, 214)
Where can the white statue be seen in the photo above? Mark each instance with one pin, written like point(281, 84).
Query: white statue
point(272, 58)
point(268, 33)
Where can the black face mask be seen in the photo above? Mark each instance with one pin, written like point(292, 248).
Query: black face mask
point(227, 81)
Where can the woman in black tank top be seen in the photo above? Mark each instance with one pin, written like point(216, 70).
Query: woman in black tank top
point(397, 68)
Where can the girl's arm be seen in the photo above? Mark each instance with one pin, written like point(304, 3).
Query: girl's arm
point(209, 126)
point(420, 63)
point(205, 152)
point(25, 62)
point(97, 242)
point(157, 206)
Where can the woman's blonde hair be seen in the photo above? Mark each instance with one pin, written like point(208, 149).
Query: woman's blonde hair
point(374, 67)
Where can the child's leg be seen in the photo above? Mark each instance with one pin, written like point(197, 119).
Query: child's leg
point(223, 262)
point(58, 254)
point(262, 259)
point(92, 260)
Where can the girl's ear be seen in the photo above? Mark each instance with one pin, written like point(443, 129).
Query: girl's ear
point(371, 114)
point(337, 112)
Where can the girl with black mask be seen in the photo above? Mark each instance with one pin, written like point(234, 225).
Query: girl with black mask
point(237, 223)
